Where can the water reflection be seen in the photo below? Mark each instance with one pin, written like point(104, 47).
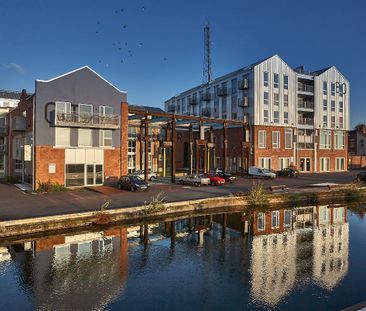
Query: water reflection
point(282, 249)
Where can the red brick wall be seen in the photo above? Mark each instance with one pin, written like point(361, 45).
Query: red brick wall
point(124, 139)
point(45, 155)
point(49, 243)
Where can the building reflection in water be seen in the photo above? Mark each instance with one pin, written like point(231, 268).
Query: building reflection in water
point(291, 246)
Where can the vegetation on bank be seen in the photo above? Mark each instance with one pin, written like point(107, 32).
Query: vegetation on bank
point(50, 186)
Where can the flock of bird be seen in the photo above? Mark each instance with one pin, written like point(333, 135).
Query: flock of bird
point(123, 48)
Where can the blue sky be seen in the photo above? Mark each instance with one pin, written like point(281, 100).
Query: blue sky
point(153, 49)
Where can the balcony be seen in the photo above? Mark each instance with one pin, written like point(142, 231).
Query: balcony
point(305, 105)
point(243, 102)
point(75, 119)
point(222, 91)
point(19, 124)
point(171, 108)
point(243, 84)
point(305, 123)
point(306, 89)
point(192, 101)
point(206, 112)
point(305, 145)
point(206, 96)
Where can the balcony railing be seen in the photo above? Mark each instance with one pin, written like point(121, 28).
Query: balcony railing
point(206, 96)
point(243, 102)
point(306, 121)
point(87, 120)
point(305, 145)
point(305, 88)
point(305, 105)
point(222, 91)
point(206, 112)
point(192, 101)
point(243, 84)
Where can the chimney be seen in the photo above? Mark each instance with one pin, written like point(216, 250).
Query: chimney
point(24, 94)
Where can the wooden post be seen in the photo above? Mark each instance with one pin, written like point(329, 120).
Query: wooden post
point(224, 154)
point(146, 164)
point(191, 148)
point(172, 233)
point(224, 222)
point(146, 234)
point(174, 141)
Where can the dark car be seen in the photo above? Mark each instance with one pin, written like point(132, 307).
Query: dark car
point(228, 177)
point(361, 176)
point(132, 183)
point(288, 172)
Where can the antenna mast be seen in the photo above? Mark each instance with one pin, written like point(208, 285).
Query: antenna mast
point(207, 74)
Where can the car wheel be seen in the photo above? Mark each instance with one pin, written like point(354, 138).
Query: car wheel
point(132, 188)
point(181, 182)
point(196, 184)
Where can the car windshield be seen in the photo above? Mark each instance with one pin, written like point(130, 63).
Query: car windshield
point(136, 178)
point(204, 176)
point(264, 170)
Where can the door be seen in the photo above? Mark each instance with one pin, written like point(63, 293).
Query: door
point(94, 174)
point(98, 174)
point(305, 165)
point(90, 174)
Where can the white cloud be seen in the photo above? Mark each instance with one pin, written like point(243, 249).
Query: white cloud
point(16, 67)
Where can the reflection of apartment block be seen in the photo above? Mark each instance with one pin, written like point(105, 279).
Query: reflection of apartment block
point(273, 267)
point(331, 239)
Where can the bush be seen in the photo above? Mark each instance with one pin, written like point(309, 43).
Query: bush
point(50, 186)
point(11, 179)
point(156, 204)
point(257, 195)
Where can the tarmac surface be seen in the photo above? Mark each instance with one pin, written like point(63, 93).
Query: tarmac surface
point(15, 204)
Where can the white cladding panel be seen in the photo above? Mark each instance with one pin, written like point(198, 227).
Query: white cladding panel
point(332, 75)
point(274, 65)
point(84, 156)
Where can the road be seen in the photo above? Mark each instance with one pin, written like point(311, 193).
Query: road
point(15, 204)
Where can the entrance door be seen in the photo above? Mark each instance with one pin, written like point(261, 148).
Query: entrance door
point(305, 165)
point(98, 174)
point(90, 174)
point(94, 174)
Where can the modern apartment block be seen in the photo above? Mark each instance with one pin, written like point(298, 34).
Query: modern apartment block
point(296, 118)
point(72, 130)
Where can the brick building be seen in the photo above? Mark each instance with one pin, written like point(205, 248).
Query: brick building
point(296, 118)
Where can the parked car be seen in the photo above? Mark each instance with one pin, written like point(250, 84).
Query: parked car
point(194, 179)
point(288, 172)
point(141, 174)
point(227, 176)
point(132, 183)
point(361, 176)
point(215, 180)
point(256, 172)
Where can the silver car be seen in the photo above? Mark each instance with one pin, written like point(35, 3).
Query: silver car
point(194, 180)
point(141, 174)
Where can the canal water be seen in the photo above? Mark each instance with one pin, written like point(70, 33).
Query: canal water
point(305, 258)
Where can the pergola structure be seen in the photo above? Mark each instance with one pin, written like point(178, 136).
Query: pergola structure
point(171, 123)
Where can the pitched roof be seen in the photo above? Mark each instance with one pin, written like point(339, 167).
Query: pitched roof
point(10, 94)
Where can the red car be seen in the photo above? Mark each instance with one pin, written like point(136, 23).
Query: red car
point(215, 180)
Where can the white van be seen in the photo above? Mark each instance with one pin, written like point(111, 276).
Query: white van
point(257, 172)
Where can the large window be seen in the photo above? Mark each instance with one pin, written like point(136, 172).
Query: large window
point(288, 218)
point(285, 163)
point(325, 88)
point(338, 140)
point(62, 136)
point(285, 82)
point(2, 162)
point(332, 121)
point(184, 109)
point(285, 117)
point(325, 121)
point(265, 116)
point(85, 113)
point(288, 138)
point(325, 105)
point(339, 164)
point(276, 116)
point(324, 164)
point(261, 222)
point(75, 175)
point(275, 219)
point(265, 78)
point(265, 163)
point(332, 105)
point(262, 139)
point(332, 89)
point(340, 107)
point(285, 100)
point(275, 139)
point(324, 140)
point(340, 123)
point(276, 80)
point(131, 160)
point(265, 98)
point(85, 138)
point(106, 138)
point(276, 98)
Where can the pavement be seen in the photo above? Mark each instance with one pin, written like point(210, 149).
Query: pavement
point(16, 204)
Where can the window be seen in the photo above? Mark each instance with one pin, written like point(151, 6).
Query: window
point(105, 110)
point(285, 117)
point(285, 82)
point(288, 218)
point(85, 138)
point(85, 113)
point(184, 109)
point(62, 136)
point(261, 223)
point(325, 88)
point(18, 165)
point(276, 81)
point(276, 99)
point(285, 100)
point(339, 164)
point(338, 140)
point(265, 116)
point(234, 86)
point(276, 117)
point(324, 140)
point(340, 122)
point(332, 121)
point(325, 105)
point(324, 164)
point(265, 78)
point(178, 105)
point(325, 121)
point(275, 219)
point(265, 163)
point(288, 139)
point(285, 162)
point(265, 98)
point(106, 138)
point(2, 122)
point(261, 139)
point(63, 108)
point(332, 105)
point(340, 107)
point(332, 89)
point(2, 162)
point(275, 139)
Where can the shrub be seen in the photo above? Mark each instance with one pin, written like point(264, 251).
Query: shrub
point(50, 186)
point(155, 205)
point(257, 195)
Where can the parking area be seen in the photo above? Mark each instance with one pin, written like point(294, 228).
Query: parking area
point(15, 204)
